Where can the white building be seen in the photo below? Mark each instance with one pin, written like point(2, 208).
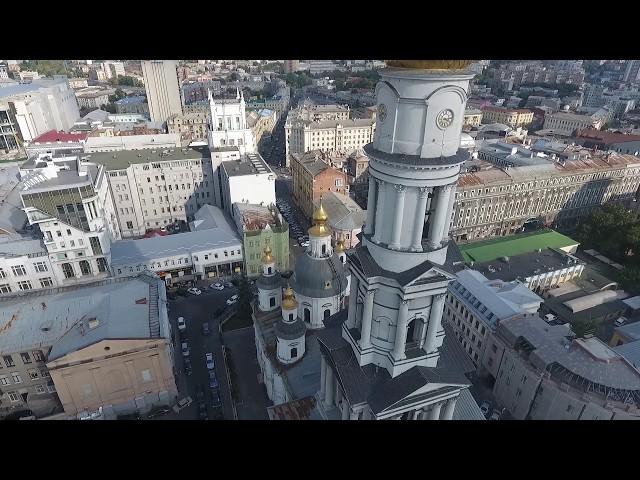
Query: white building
point(24, 265)
point(163, 89)
point(563, 123)
point(249, 179)
point(228, 127)
point(474, 305)
point(155, 142)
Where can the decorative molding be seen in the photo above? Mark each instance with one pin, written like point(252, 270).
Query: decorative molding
point(400, 188)
point(424, 192)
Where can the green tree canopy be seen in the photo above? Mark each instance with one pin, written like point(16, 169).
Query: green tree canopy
point(46, 68)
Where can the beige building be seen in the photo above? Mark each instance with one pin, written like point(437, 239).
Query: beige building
point(563, 123)
point(472, 117)
point(261, 123)
point(93, 97)
point(163, 89)
point(190, 126)
point(512, 117)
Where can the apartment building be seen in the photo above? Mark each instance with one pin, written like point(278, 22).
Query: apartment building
point(514, 118)
point(25, 265)
point(261, 123)
point(564, 123)
point(93, 97)
point(472, 117)
point(246, 179)
point(475, 305)
point(155, 188)
point(312, 177)
point(9, 133)
point(162, 88)
point(70, 202)
point(189, 126)
point(509, 188)
point(134, 104)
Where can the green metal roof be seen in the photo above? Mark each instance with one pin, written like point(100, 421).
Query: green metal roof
point(489, 250)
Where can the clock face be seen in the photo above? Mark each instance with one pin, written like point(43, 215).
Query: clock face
point(445, 118)
point(382, 111)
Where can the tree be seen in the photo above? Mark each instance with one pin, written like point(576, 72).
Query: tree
point(629, 278)
point(234, 77)
point(244, 300)
point(583, 327)
point(45, 68)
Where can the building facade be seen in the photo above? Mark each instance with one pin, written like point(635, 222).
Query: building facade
point(163, 89)
point(472, 117)
point(345, 218)
point(189, 126)
point(563, 123)
point(513, 117)
point(249, 179)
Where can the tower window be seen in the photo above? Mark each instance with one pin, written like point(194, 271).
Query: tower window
point(324, 249)
point(272, 302)
point(294, 352)
point(269, 270)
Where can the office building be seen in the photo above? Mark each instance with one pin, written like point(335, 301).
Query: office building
point(163, 89)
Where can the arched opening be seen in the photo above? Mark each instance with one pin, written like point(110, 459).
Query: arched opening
point(291, 317)
point(272, 302)
point(414, 332)
point(67, 269)
point(307, 315)
point(85, 268)
point(294, 352)
point(327, 313)
point(324, 249)
point(269, 270)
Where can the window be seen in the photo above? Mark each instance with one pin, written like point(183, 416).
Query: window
point(15, 376)
point(13, 396)
point(294, 352)
point(4, 380)
point(5, 288)
point(40, 389)
point(40, 266)
point(33, 374)
point(18, 270)
point(25, 285)
point(51, 388)
point(25, 357)
point(146, 375)
point(38, 356)
point(67, 269)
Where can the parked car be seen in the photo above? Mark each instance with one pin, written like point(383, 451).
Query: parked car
point(205, 328)
point(182, 325)
point(182, 404)
point(158, 411)
point(233, 300)
point(304, 244)
point(216, 286)
point(228, 284)
point(495, 416)
point(213, 379)
point(211, 364)
point(194, 291)
point(185, 349)
point(187, 366)
point(215, 398)
point(485, 407)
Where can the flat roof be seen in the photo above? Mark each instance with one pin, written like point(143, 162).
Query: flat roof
point(489, 250)
point(131, 100)
point(41, 318)
point(122, 159)
point(248, 164)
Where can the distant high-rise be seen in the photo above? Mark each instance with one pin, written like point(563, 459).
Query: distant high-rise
point(291, 66)
point(163, 89)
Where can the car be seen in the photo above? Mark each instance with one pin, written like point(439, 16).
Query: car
point(185, 349)
point(194, 291)
point(485, 407)
point(228, 284)
point(182, 404)
point(495, 416)
point(187, 367)
point(163, 229)
point(182, 325)
point(304, 244)
point(215, 398)
point(216, 286)
point(205, 328)
point(211, 364)
point(233, 300)
point(213, 379)
point(157, 411)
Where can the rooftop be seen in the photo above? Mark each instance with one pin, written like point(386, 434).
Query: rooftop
point(343, 212)
point(248, 164)
point(255, 216)
point(41, 319)
point(208, 217)
point(630, 331)
point(131, 100)
point(124, 158)
point(23, 88)
point(490, 250)
point(55, 136)
point(16, 245)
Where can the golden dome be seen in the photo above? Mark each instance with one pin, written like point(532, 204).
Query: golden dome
point(289, 300)
point(430, 64)
point(319, 215)
point(267, 257)
point(340, 246)
point(320, 227)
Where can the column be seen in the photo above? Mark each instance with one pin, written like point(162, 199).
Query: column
point(345, 411)
point(367, 313)
point(452, 202)
point(379, 208)
point(436, 227)
point(424, 414)
point(371, 205)
point(397, 221)
point(328, 389)
point(415, 415)
point(354, 415)
point(418, 222)
point(401, 331)
point(435, 411)
point(323, 376)
point(353, 301)
point(449, 408)
point(435, 317)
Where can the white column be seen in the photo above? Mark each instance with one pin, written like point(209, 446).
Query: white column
point(418, 222)
point(449, 408)
point(378, 226)
point(435, 317)
point(367, 313)
point(401, 331)
point(371, 206)
point(399, 213)
point(435, 411)
point(328, 390)
point(452, 202)
point(353, 301)
point(436, 225)
point(415, 415)
point(424, 414)
point(345, 410)
point(323, 376)
point(354, 415)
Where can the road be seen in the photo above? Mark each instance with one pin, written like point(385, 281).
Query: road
point(196, 310)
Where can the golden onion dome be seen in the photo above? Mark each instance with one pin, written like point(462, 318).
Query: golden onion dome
point(289, 300)
point(320, 227)
point(340, 246)
point(319, 215)
point(267, 257)
point(430, 64)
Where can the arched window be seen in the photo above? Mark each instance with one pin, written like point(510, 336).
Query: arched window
point(291, 317)
point(269, 270)
point(324, 249)
point(327, 313)
point(307, 315)
point(272, 302)
point(294, 352)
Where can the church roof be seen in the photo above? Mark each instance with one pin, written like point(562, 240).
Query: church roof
point(312, 275)
point(269, 282)
point(290, 331)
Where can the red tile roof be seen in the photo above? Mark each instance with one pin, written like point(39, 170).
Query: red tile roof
point(606, 138)
point(53, 136)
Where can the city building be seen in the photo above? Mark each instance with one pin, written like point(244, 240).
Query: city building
point(516, 186)
point(321, 66)
point(261, 226)
point(24, 265)
point(56, 143)
point(77, 83)
point(545, 373)
point(345, 218)
point(228, 126)
point(76, 351)
point(261, 123)
point(475, 305)
point(313, 177)
point(247, 179)
point(625, 334)
point(619, 142)
point(472, 117)
point(632, 71)
point(40, 106)
point(511, 117)
point(189, 126)
point(93, 97)
point(10, 143)
point(357, 164)
point(564, 123)
point(134, 104)
point(127, 143)
point(291, 66)
point(211, 250)
point(161, 84)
